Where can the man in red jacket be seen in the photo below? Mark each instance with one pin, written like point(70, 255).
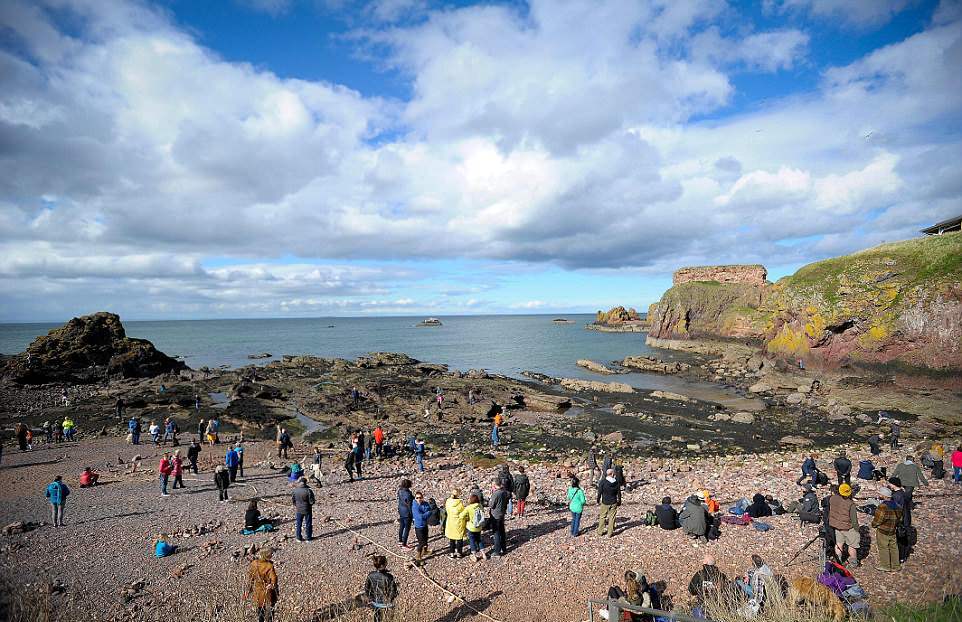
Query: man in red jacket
point(378, 441)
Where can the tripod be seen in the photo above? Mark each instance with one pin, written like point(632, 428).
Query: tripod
point(820, 556)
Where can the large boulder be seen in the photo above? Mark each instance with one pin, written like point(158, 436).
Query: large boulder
point(597, 368)
point(542, 402)
point(85, 349)
point(573, 384)
point(647, 363)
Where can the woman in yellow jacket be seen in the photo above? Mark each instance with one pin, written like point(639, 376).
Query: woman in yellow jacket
point(454, 524)
point(474, 531)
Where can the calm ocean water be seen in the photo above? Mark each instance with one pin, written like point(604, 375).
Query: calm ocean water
point(505, 344)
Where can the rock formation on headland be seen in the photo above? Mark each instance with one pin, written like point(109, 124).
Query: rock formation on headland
point(619, 319)
point(895, 303)
point(84, 350)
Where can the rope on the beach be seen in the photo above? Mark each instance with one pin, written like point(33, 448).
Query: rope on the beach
point(420, 570)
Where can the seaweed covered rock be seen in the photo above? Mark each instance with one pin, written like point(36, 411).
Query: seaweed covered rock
point(84, 350)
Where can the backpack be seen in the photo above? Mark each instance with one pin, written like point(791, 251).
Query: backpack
point(478, 521)
point(866, 469)
point(821, 479)
point(434, 515)
point(650, 520)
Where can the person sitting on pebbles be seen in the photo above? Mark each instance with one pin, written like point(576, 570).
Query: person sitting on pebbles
point(162, 548)
point(88, 478)
point(694, 518)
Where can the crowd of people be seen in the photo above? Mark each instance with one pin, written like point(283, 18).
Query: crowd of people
point(472, 520)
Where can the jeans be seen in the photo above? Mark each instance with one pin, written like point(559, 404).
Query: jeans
point(308, 521)
point(474, 540)
point(420, 461)
point(957, 474)
point(422, 534)
point(405, 529)
point(240, 466)
point(178, 481)
point(575, 523)
point(233, 473)
point(455, 546)
point(357, 469)
point(163, 484)
point(606, 516)
point(193, 466)
point(135, 438)
point(223, 493)
point(495, 438)
point(265, 613)
point(497, 526)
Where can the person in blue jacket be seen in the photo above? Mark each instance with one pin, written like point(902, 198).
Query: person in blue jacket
point(809, 470)
point(404, 502)
point(162, 548)
point(420, 512)
point(56, 494)
point(232, 460)
point(133, 426)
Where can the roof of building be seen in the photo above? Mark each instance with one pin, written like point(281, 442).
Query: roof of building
point(945, 225)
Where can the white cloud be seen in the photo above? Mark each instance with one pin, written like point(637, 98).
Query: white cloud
point(131, 154)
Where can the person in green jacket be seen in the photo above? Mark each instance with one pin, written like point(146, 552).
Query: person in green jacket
point(576, 503)
point(472, 512)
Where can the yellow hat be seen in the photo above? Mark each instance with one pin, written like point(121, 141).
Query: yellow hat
point(845, 490)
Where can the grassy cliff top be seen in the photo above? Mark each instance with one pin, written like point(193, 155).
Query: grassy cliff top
point(919, 261)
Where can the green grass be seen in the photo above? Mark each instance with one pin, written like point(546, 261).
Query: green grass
point(948, 611)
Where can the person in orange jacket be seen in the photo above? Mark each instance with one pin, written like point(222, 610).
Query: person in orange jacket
point(710, 503)
point(378, 435)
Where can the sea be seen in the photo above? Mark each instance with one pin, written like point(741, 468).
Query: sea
point(502, 344)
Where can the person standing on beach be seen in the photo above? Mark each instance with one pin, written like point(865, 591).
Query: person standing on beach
point(592, 464)
point(355, 397)
point(404, 502)
point(239, 449)
point(420, 513)
point(56, 494)
point(359, 455)
point(177, 470)
point(222, 480)
point(197, 403)
point(381, 588)
point(120, 408)
point(378, 441)
point(20, 430)
point(498, 510)
point(193, 452)
point(896, 431)
point(200, 429)
point(454, 524)
point(888, 517)
point(496, 429)
point(522, 488)
point(133, 426)
point(262, 585)
point(349, 462)
point(231, 460)
point(303, 500)
point(169, 431)
point(165, 469)
point(154, 432)
point(576, 503)
point(609, 498)
point(316, 464)
point(419, 454)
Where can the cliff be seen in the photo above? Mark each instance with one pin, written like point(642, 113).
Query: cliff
point(712, 300)
point(84, 350)
point(895, 303)
point(898, 302)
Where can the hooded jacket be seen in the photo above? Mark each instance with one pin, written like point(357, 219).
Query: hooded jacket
point(57, 493)
point(694, 517)
point(454, 525)
point(759, 507)
point(609, 492)
point(667, 516)
point(910, 474)
point(420, 513)
point(522, 486)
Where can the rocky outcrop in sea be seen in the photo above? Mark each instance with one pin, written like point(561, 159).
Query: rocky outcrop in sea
point(85, 350)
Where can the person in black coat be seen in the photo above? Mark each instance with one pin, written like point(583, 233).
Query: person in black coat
point(759, 507)
point(667, 515)
point(843, 468)
point(405, 516)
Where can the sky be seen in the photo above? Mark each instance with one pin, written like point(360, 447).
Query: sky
point(301, 158)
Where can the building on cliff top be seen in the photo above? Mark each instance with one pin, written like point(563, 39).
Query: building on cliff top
point(751, 274)
point(952, 224)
